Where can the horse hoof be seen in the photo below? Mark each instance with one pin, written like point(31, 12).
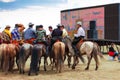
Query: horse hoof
point(86, 68)
point(96, 69)
point(29, 74)
point(73, 67)
point(36, 73)
point(45, 70)
point(19, 72)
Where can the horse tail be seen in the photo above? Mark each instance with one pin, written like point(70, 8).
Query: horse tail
point(22, 52)
point(34, 58)
point(61, 55)
point(60, 52)
point(99, 51)
point(20, 57)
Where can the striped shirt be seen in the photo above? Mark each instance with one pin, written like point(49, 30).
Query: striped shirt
point(15, 34)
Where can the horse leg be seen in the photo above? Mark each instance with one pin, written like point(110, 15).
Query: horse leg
point(89, 60)
point(96, 60)
point(0, 62)
point(64, 57)
point(38, 67)
point(61, 64)
point(69, 61)
point(56, 65)
point(11, 64)
point(81, 58)
point(6, 64)
point(29, 73)
point(23, 66)
point(52, 63)
point(74, 62)
point(45, 62)
point(17, 60)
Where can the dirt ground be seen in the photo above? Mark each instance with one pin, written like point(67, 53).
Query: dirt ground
point(108, 70)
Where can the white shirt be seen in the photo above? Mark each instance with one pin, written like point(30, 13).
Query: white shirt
point(80, 32)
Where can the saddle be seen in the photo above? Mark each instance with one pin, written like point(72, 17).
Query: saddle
point(40, 43)
point(30, 41)
point(57, 40)
point(79, 43)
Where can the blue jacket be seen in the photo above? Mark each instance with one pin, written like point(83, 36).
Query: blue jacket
point(29, 33)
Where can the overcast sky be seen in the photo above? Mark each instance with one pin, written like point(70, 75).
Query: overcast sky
point(45, 12)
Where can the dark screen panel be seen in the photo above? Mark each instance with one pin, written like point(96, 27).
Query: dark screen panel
point(112, 22)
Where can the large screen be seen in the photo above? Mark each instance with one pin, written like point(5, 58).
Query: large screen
point(69, 18)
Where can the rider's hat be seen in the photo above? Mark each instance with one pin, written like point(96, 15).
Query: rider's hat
point(30, 24)
point(79, 22)
point(7, 26)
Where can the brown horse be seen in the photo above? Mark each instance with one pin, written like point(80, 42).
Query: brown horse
point(25, 52)
point(59, 54)
point(38, 51)
point(8, 53)
point(12, 54)
point(2, 47)
point(91, 49)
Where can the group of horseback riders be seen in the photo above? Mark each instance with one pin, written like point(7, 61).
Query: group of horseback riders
point(37, 36)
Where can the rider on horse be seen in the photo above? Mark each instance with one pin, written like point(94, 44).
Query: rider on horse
point(6, 35)
point(79, 36)
point(17, 33)
point(56, 35)
point(41, 36)
point(29, 34)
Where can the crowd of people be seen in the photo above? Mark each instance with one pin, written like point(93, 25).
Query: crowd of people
point(19, 34)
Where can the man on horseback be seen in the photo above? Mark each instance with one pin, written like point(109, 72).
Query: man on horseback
point(29, 34)
point(17, 33)
point(41, 36)
point(56, 35)
point(6, 35)
point(79, 36)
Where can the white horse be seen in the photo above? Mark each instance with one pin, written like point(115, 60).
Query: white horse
point(91, 49)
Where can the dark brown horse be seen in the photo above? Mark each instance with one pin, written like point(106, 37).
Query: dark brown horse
point(38, 51)
point(59, 54)
point(91, 49)
point(25, 52)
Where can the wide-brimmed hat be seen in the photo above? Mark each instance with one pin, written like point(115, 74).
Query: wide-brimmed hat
point(79, 22)
point(30, 24)
point(20, 25)
point(7, 26)
point(59, 25)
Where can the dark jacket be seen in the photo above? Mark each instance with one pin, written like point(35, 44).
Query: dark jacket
point(57, 33)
